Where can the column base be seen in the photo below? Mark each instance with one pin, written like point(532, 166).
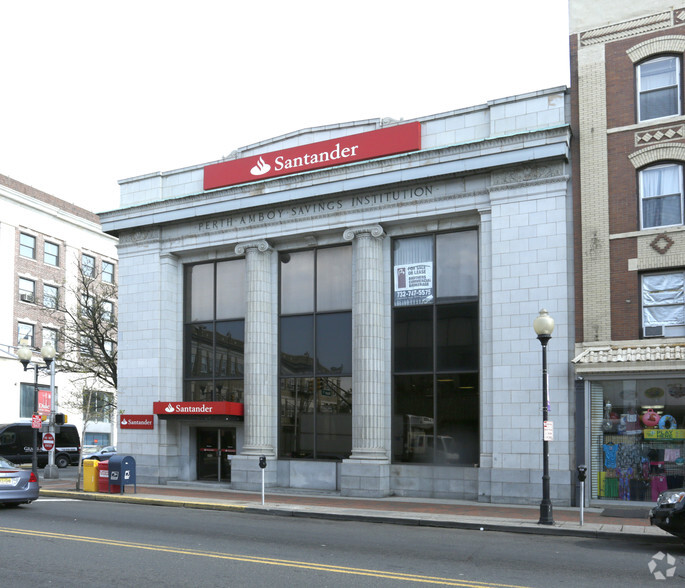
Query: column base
point(365, 478)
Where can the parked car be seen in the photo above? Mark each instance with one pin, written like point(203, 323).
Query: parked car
point(17, 486)
point(16, 445)
point(102, 454)
point(669, 512)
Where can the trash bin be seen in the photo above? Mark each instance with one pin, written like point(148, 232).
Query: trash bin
point(90, 475)
point(103, 476)
point(122, 472)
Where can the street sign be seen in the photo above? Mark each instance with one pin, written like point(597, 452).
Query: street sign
point(548, 431)
point(36, 421)
point(48, 441)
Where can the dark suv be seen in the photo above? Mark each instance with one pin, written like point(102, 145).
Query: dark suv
point(16, 445)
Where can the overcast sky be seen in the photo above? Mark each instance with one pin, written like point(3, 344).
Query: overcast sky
point(94, 92)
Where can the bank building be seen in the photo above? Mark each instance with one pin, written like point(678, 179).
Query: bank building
point(355, 302)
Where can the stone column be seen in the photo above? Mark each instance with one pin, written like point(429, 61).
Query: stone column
point(259, 357)
point(366, 472)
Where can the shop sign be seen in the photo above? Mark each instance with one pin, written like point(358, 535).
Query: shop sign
point(359, 147)
point(198, 408)
point(414, 283)
point(136, 421)
point(664, 433)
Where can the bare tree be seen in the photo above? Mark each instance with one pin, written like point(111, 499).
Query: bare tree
point(89, 336)
point(90, 328)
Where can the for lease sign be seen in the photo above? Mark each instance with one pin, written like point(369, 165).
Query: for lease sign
point(379, 143)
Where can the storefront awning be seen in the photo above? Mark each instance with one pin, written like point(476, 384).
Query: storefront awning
point(618, 358)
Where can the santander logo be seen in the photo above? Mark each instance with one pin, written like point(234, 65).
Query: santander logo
point(261, 168)
point(169, 408)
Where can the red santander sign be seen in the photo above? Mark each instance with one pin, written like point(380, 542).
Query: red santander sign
point(379, 143)
point(198, 408)
point(136, 421)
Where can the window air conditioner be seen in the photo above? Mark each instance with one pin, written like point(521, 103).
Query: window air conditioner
point(656, 331)
point(26, 297)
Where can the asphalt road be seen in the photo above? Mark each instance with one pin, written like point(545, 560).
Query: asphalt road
point(58, 543)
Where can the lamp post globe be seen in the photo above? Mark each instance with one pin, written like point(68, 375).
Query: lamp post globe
point(24, 353)
point(544, 326)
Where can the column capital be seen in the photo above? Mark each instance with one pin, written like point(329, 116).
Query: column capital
point(261, 245)
point(372, 230)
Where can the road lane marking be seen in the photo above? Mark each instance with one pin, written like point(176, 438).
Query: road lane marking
point(262, 560)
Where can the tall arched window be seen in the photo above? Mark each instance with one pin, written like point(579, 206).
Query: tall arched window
point(661, 196)
point(658, 88)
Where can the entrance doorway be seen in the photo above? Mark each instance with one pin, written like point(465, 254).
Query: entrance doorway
point(215, 447)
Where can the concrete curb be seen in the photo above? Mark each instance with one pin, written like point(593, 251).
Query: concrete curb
point(394, 518)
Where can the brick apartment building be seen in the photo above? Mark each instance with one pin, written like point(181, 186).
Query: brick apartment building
point(42, 241)
point(628, 151)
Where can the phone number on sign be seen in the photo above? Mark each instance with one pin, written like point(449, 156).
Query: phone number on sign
point(413, 293)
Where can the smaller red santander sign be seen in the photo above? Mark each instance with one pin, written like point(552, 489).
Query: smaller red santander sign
point(198, 408)
point(359, 147)
point(48, 441)
point(136, 421)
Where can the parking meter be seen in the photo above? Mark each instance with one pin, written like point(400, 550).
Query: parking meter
point(262, 464)
point(582, 474)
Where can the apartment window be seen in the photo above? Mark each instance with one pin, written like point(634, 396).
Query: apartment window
point(50, 335)
point(27, 246)
point(88, 265)
point(658, 88)
point(50, 296)
point(436, 410)
point(108, 272)
point(663, 304)
point(214, 332)
point(25, 331)
point(661, 196)
point(107, 310)
point(51, 254)
point(100, 408)
point(27, 290)
point(315, 361)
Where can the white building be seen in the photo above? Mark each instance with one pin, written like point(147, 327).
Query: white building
point(355, 302)
point(42, 241)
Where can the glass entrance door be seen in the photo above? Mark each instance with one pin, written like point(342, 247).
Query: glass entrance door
point(215, 447)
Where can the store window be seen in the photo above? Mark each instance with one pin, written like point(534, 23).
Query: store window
point(663, 305)
point(315, 361)
point(638, 434)
point(51, 254)
point(214, 339)
point(27, 246)
point(661, 196)
point(658, 88)
point(435, 349)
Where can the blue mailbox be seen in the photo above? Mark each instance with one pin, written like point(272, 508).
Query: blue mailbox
point(122, 471)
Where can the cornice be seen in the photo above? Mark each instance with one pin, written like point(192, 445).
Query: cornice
point(623, 30)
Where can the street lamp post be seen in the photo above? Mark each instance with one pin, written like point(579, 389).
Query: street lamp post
point(544, 325)
point(48, 352)
point(25, 354)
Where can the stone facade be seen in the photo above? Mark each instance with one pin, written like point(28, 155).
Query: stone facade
point(501, 168)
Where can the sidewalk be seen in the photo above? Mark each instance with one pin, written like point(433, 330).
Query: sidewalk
point(612, 522)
